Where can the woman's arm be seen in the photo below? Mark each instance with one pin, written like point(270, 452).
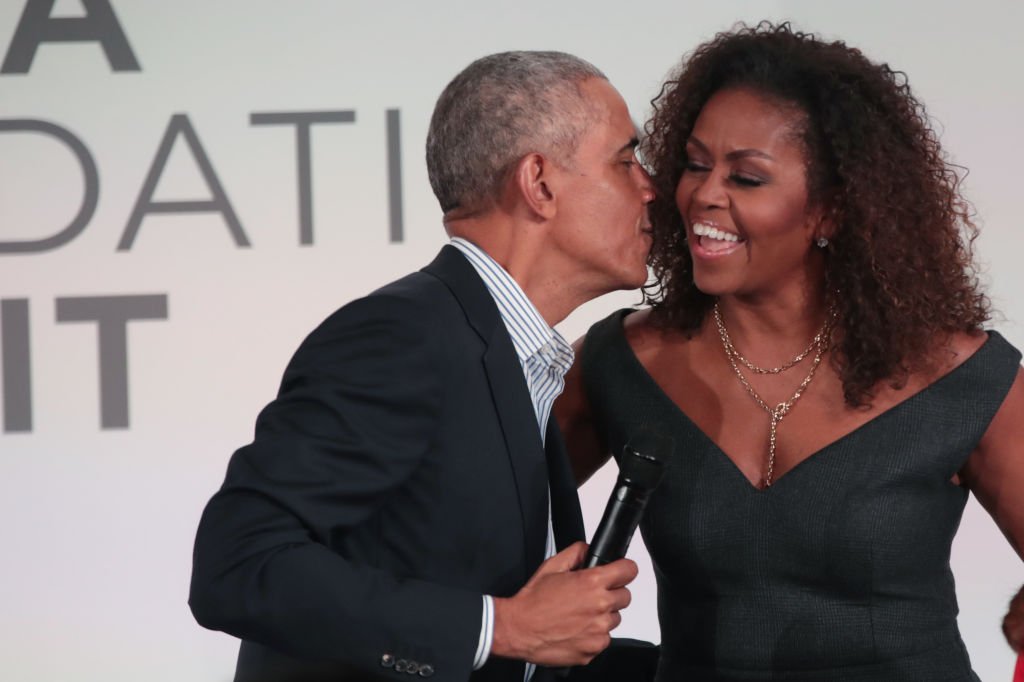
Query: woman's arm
point(995, 470)
point(995, 474)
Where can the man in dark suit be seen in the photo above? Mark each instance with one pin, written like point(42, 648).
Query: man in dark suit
point(392, 516)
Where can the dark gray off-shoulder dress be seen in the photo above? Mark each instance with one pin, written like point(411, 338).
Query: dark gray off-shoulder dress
point(840, 571)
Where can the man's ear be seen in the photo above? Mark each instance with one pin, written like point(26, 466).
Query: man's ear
point(532, 179)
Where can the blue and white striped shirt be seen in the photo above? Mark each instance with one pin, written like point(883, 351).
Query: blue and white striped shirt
point(545, 357)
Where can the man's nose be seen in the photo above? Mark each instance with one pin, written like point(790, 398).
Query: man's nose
point(646, 186)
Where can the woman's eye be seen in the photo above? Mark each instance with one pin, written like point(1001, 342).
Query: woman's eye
point(694, 167)
point(747, 180)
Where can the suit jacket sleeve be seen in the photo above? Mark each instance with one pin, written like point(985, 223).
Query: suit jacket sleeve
point(356, 413)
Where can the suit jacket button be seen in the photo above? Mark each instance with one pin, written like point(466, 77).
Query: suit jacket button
point(426, 670)
point(387, 661)
point(412, 668)
point(401, 665)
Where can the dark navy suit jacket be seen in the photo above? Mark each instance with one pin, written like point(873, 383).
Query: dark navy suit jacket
point(398, 476)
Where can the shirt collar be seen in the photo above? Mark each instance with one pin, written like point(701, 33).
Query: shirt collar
point(531, 334)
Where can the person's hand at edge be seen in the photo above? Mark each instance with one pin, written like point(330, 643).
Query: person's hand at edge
point(1013, 623)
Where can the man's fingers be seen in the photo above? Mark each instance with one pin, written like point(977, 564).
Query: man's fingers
point(628, 571)
point(616, 574)
point(566, 560)
point(620, 598)
point(616, 620)
point(563, 616)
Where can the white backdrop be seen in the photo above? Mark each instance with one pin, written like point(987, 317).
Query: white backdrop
point(98, 522)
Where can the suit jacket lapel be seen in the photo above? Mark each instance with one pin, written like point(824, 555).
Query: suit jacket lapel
point(519, 425)
point(511, 399)
point(566, 516)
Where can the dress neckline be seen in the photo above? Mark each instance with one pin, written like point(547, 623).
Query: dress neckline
point(620, 337)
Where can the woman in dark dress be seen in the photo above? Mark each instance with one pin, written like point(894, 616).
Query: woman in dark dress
point(814, 347)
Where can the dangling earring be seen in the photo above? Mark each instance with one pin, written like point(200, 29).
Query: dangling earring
point(822, 242)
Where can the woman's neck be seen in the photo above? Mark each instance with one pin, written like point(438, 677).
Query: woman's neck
point(770, 331)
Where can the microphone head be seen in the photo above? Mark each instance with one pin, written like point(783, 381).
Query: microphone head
point(642, 464)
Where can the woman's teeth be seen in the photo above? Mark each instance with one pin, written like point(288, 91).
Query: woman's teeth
point(702, 230)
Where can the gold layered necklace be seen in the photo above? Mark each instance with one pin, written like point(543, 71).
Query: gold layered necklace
point(818, 346)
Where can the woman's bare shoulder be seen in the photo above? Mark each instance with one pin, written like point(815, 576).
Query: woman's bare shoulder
point(957, 349)
point(966, 344)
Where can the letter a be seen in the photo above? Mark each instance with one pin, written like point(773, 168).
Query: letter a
point(99, 25)
point(180, 125)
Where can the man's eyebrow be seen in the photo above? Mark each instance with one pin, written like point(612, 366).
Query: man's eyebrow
point(632, 144)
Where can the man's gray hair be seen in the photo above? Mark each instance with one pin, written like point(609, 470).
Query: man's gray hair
point(499, 109)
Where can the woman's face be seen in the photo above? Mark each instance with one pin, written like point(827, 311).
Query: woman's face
point(743, 198)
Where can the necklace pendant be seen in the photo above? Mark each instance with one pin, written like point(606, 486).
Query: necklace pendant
point(819, 344)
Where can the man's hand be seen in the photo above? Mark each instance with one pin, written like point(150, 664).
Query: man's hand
point(562, 617)
point(1013, 623)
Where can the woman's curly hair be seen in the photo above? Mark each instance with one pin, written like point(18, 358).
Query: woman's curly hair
point(899, 266)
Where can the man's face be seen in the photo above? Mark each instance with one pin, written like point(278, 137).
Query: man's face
point(601, 223)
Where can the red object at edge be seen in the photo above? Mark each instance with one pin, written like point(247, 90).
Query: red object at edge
point(1018, 674)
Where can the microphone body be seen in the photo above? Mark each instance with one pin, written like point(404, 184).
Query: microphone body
point(639, 474)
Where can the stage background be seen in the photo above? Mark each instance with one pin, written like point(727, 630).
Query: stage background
point(190, 330)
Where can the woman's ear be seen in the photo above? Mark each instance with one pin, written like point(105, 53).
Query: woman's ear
point(825, 221)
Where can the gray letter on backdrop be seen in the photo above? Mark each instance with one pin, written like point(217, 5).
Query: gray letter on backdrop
point(111, 315)
point(91, 178)
point(99, 25)
point(395, 174)
point(302, 120)
point(16, 365)
point(180, 125)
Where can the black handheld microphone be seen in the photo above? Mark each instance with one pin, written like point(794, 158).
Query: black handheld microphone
point(640, 471)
